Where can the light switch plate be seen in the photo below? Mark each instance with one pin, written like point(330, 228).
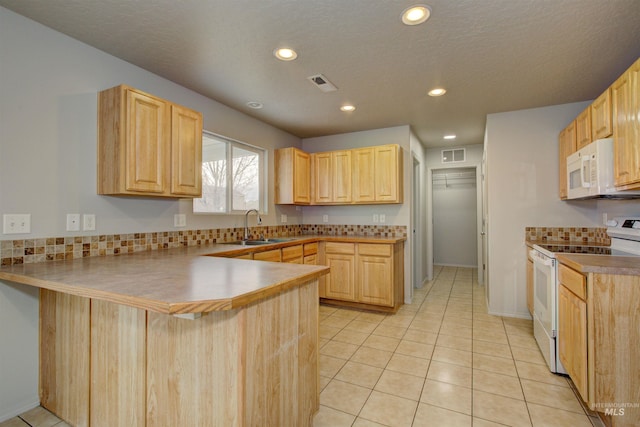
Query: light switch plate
point(180, 220)
point(16, 223)
point(325, 218)
point(375, 218)
point(383, 218)
point(88, 222)
point(283, 218)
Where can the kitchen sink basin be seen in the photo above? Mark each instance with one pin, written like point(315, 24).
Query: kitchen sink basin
point(258, 241)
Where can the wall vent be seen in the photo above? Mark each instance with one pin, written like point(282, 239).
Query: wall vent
point(322, 83)
point(456, 155)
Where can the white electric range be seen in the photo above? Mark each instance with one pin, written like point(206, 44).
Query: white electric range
point(625, 241)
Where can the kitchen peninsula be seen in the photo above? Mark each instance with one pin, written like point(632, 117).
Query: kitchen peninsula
point(174, 337)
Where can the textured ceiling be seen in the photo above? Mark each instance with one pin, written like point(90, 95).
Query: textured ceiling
point(490, 55)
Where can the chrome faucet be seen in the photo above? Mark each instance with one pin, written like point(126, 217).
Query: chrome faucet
point(246, 222)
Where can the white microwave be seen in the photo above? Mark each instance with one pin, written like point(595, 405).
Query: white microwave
point(590, 173)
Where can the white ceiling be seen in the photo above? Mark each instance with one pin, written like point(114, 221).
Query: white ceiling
point(490, 55)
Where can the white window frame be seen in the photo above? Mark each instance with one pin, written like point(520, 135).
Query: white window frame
point(262, 173)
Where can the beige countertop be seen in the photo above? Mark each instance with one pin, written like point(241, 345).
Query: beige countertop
point(180, 280)
point(592, 263)
point(604, 264)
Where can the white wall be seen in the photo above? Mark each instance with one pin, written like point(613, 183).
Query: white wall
point(48, 126)
point(399, 214)
point(419, 222)
point(522, 173)
point(455, 231)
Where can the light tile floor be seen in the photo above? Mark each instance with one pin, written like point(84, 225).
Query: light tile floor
point(440, 361)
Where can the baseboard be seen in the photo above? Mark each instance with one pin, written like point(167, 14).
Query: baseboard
point(14, 412)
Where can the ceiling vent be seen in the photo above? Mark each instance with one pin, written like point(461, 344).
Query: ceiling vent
point(322, 83)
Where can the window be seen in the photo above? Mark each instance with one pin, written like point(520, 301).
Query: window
point(232, 176)
point(453, 156)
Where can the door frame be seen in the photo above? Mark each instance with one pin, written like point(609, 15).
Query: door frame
point(479, 214)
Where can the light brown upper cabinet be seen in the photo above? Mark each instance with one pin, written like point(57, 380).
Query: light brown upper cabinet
point(370, 175)
point(331, 174)
point(583, 128)
point(566, 146)
point(388, 173)
point(147, 146)
point(292, 177)
point(625, 100)
point(377, 174)
point(601, 116)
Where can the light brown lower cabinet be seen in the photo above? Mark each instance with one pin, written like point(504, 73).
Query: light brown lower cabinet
point(363, 275)
point(598, 333)
point(106, 364)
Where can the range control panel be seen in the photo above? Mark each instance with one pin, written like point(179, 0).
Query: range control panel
point(631, 223)
point(625, 228)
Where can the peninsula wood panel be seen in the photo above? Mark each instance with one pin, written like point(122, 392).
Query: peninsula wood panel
point(118, 365)
point(64, 356)
point(277, 369)
point(194, 370)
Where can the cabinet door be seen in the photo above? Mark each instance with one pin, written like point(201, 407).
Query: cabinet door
point(388, 173)
point(566, 146)
point(583, 128)
point(301, 177)
point(341, 168)
point(147, 133)
point(340, 282)
point(186, 151)
point(572, 338)
point(601, 116)
point(375, 280)
point(323, 184)
point(363, 175)
point(625, 99)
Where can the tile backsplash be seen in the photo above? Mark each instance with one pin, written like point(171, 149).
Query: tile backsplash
point(584, 235)
point(28, 251)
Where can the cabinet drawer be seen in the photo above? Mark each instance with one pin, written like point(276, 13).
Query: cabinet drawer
point(272, 255)
point(291, 253)
point(573, 281)
point(374, 249)
point(310, 259)
point(340, 248)
point(310, 248)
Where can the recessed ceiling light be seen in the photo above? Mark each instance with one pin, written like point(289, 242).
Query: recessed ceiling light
point(285, 54)
point(437, 92)
point(450, 136)
point(415, 15)
point(347, 107)
point(255, 105)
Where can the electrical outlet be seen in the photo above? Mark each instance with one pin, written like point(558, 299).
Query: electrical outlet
point(325, 218)
point(73, 222)
point(88, 222)
point(283, 218)
point(16, 223)
point(375, 218)
point(383, 218)
point(179, 220)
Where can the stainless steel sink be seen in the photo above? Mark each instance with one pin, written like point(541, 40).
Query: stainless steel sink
point(258, 241)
